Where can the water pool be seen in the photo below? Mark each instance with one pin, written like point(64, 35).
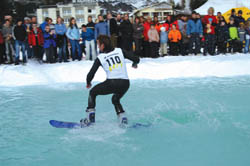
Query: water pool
point(196, 122)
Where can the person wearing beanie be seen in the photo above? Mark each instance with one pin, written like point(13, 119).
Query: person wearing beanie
point(222, 36)
point(240, 19)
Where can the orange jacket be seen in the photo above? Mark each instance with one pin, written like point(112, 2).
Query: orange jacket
point(174, 36)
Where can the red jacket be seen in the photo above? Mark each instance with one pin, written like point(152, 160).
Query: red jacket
point(210, 19)
point(1, 38)
point(32, 37)
point(146, 29)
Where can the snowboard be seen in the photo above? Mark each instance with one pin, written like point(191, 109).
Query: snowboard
point(75, 125)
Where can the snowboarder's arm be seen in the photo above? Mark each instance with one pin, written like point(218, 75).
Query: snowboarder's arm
point(130, 55)
point(92, 71)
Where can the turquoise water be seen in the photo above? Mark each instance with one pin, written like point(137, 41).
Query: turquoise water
point(196, 122)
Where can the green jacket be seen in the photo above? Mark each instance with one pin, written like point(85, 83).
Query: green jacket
point(233, 32)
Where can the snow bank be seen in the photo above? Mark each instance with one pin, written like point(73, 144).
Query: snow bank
point(154, 69)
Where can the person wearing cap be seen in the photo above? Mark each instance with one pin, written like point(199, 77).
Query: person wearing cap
point(20, 36)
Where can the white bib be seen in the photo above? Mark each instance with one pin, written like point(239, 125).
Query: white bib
point(113, 64)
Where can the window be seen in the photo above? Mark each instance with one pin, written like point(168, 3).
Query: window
point(79, 20)
point(45, 13)
point(79, 12)
point(66, 20)
point(67, 12)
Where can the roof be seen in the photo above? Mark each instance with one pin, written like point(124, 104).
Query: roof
point(222, 5)
point(153, 5)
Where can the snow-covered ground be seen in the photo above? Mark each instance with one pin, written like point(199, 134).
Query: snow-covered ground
point(154, 69)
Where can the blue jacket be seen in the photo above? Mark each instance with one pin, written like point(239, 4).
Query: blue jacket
point(60, 29)
point(194, 26)
point(164, 37)
point(43, 25)
point(101, 29)
point(73, 34)
point(88, 35)
point(49, 40)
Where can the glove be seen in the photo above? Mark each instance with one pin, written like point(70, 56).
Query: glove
point(134, 65)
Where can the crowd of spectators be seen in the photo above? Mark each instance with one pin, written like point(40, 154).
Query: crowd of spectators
point(177, 35)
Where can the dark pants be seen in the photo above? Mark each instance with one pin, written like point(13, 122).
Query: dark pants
point(146, 49)
point(138, 47)
point(117, 87)
point(127, 43)
point(174, 48)
point(2, 53)
point(38, 52)
point(209, 44)
point(154, 49)
point(194, 44)
point(234, 45)
point(62, 50)
point(50, 53)
point(222, 47)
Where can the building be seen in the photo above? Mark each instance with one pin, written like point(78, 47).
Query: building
point(161, 10)
point(78, 9)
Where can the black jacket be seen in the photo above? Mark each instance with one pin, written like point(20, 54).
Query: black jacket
point(113, 26)
point(20, 33)
point(126, 29)
point(222, 33)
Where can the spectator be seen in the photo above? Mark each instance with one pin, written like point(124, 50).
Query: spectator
point(220, 17)
point(61, 39)
point(194, 33)
point(182, 22)
point(233, 16)
point(47, 21)
point(35, 38)
point(101, 28)
point(91, 24)
point(28, 27)
point(126, 30)
point(234, 38)
point(1, 48)
point(142, 20)
point(222, 36)
point(146, 46)
point(74, 37)
point(239, 18)
point(49, 44)
point(20, 36)
point(157, 24)
point(174, 37)
point(89, 40)
point(118, 22)
point(153, 37)
point(8, 40)
point(138, 36)
point(247, 36)
point(170, 20)
point(210, 23)
point(112, 25)
point(242, 36)
point(33, 20)
point(163, 42)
